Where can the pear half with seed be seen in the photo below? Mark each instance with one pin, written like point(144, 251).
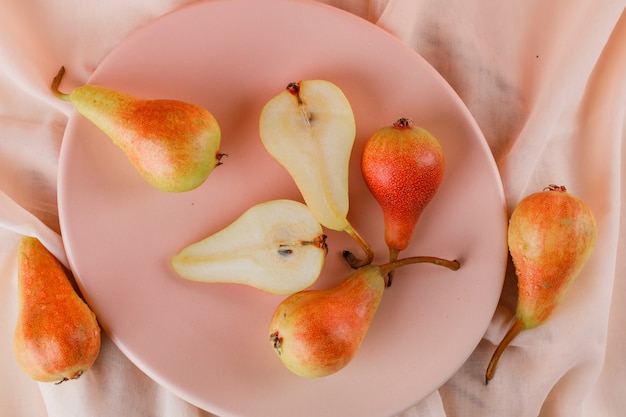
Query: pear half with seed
point(309, 128)
point(276, 246)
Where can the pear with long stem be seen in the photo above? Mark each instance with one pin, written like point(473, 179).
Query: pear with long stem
point(309, 129)
point(551, 235)
point(173, 144)
point(316, 333)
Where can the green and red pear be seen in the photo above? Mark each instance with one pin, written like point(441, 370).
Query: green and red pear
point(173, 144)
point(551, 235)
point(316, 333)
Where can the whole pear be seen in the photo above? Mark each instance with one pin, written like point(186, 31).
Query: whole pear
point(57, 336)
point(403, 166)
point(316, 333)
point(173, 144)
point(551, 235)
point(309, 128)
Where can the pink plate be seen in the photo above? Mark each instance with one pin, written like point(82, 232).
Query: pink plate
point(209, 343)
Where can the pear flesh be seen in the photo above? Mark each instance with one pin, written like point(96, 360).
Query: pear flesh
point(276, 246)
point(57, 336)
point(551, 235)
point(316, 333)
point(174, 145)
point(311, 134)
point(309, 128)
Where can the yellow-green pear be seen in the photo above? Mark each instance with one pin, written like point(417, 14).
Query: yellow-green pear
point(309, 128)
point(276, 246)
point(173, 144)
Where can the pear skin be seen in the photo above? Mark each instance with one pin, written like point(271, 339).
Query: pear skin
point(321, 331)
point(403, 166)
point(57, 336)
point(316, 333)
point(551, 235)
point(174, 145)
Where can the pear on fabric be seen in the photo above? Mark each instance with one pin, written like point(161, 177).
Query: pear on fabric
point(173, 144)
point(309, 128)
point(316, 333)
point(276, 246)
point(551, 236)
point(57, 336)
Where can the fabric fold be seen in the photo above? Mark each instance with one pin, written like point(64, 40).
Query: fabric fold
point(546, 84)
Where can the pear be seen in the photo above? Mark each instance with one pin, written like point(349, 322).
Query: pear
point(403, 166)
point(276, 246)
point(551, 235)
point(57, 336)
point(172, 144)
point(316, 333)
point(309, 129)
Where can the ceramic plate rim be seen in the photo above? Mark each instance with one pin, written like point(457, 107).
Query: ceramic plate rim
point(67, 194)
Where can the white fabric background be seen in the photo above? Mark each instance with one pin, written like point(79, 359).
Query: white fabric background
point(546, 81)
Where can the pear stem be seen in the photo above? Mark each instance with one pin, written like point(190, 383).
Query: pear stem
point(393, 256)
point(517, 327)
point(391, 266)
point(294, 89)
point(352, 260)
point(56, 82)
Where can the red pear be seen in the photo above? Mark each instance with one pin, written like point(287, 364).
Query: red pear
point(403, 166)
point(551, 235)
point(57, 336)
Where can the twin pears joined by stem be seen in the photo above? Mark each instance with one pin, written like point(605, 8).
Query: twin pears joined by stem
point(173, 144)
point(276, 246)
point(551, 236)
point(316, 333)
point(57, 336)
point(403, 166)
point(309, 128)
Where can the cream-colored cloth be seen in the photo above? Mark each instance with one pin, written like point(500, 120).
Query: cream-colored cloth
point(546, 82)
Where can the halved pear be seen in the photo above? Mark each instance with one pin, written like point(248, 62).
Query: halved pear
point(276, 246)
point(309, 128)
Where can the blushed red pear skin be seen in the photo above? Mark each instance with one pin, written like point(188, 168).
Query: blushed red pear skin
point(551, 235)
point(403, 166)
point(316, 333)
point(57, 336)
